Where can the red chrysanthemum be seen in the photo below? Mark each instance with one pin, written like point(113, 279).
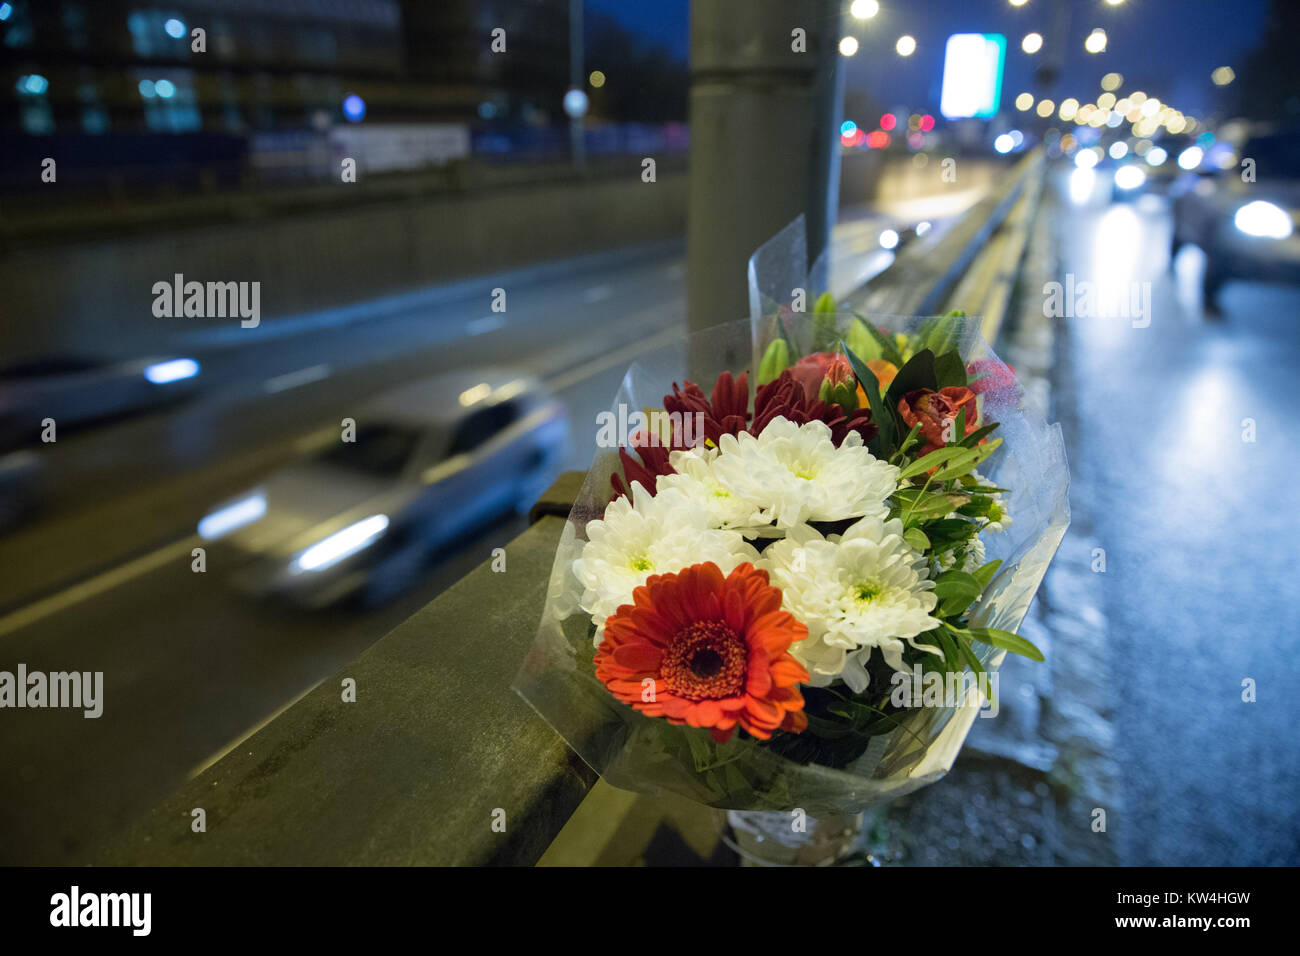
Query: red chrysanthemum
point(654, 462)
point(707, 651)
point(726, 414)
point(786, 396)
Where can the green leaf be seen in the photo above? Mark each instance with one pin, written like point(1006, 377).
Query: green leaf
point(824, 305)
point(916, 538)
point(939, 334)
point(950, 370)
point(911, 439)
point(916, 505)
point(882, 416)
point(917, 373)
point(1007, 641)
point(984, 574)
point(935, 458)
point(888, 347)
point(957, 590)
point(865, 345)
point(973, 439)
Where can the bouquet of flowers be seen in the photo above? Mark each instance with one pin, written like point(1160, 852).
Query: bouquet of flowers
point(761, 583)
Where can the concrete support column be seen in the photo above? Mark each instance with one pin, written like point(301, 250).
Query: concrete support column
point(765, 104)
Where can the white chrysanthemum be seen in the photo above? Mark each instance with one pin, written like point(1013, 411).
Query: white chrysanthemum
point(865, 589)
point(648, 535)
point(695, 479)
point(794, 473)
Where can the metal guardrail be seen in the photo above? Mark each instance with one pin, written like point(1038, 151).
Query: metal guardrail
point(437, 761)
point(924, 277)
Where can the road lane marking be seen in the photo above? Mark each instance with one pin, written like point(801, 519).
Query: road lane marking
point(96, 585)
point(623, 356)
point(304, 376)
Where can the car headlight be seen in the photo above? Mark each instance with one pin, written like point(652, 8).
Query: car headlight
point(1129, 177)
point(232, 516)
point(173, 370)
point(1263, 219)
point(341, 544)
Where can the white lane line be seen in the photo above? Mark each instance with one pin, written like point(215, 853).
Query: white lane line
point(488, 323)
point(96, 585)
point(621, 356)
point(281, 383)
point(597, 293)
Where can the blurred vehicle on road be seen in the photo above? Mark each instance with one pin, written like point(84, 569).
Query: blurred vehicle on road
point(20, 474)
point(75, 390)
point(1245, 226)
point(428, 462)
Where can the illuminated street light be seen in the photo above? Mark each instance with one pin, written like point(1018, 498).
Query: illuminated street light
point(1046, 108)
point(1024, 101)
point(848, 46)
point(1114, 3)
point(864, 9)
point(1032, 43)
point(1018, 3)
point(1223, 76)
point(1112, 81)
point(1096, 42)
point(905, 46)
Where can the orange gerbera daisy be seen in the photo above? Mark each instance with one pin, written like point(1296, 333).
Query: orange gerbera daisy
point(707, 651)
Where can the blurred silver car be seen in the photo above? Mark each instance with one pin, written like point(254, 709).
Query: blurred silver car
point(1246, 228)
point(429, 462)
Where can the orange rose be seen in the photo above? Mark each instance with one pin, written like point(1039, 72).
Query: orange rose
point(936, 412)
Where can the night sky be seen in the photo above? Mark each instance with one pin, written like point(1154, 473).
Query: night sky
point(1167, 48)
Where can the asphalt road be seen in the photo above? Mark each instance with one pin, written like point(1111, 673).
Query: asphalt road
point(1200, 523)
point(101, 581)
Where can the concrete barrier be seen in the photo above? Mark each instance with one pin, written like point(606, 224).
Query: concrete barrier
point(95, 296)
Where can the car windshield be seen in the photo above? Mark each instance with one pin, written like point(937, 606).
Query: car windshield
point(380, 450)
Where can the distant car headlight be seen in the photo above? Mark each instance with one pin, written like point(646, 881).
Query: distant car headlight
point(341, 544)
point(236, 515)
point(160, 373)
point(1263, 219)
point(1129, 177)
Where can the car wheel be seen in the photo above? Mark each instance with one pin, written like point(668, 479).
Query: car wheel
point(395, 575)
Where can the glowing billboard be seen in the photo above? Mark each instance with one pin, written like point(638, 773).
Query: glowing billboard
point(972, 75)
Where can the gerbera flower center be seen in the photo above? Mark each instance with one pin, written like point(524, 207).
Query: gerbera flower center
point(705, 661)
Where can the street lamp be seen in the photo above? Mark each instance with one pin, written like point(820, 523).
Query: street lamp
point(1032, 43)
point(848, 46)
point(1019, 3)
point(905, 46)
point(864, 9)
point(1114, 3)
point(1096, 42)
